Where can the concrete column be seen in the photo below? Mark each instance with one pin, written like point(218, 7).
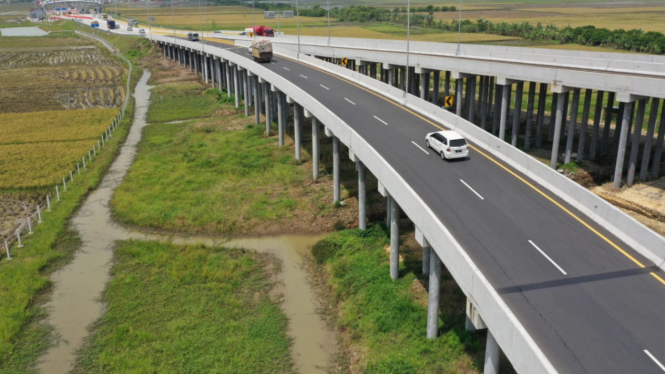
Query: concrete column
point(266, 93)
point(248, 95)
point(205, 68)
point(219, 75)
point(596, 124)
point(571, 125)
point(180, 56)
point(394, 239)
point(336, 193)
point(257, 100)
point(529, 115)
point(280, 117)
point(497, 110)
point(315, 149)
point(490, 95)
point(260, 96)
point(517, 117)
point(236, 87)
point(433, 295)
point(471, 83)
point(483, 101)
point(555, 104)
point(658, 154)
point(492, 355)
point(436, 86)
point(427, 251)
point(424, 81)
point(388, 216)
point(617, 129)
point(446, 86)
point(298, 117)
point(196, 63)
point(191, 61)
point(542, 100)
point(505, 101)
point(458, 92)
point(623, 139)
point(164, 50)
point(213, 71)
point(362, 196)
point(557, 130)
point(229, 79)
point(585, 124)
point(646, 154)
point(609, 109)
point(635, 144)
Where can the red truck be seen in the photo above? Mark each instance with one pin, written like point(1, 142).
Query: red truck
point(260, 31)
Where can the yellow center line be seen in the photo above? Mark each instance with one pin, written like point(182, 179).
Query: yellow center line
point(622, 251)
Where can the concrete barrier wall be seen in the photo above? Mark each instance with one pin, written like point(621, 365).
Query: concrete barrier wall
point(644, 240)
point(515, 341)
point(615, 62)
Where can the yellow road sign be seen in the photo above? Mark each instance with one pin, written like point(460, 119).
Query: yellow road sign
point(345, 61)
point(450, 100)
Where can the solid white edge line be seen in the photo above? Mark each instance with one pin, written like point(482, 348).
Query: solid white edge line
point(303, 76)
point(349, 101)
point(472, 190)
point(421, 148)
point(380, 120)
point(548, 257)
point(654, 359)
point(324, 87)
point(285, 68)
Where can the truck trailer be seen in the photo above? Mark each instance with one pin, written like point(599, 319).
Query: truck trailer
point(110, 24)
point(262, 50)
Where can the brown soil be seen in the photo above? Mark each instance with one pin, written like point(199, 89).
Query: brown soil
point(14, 211)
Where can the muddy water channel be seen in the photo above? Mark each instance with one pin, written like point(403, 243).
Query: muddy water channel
point(76, 304)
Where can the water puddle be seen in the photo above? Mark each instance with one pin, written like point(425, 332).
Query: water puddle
point(76, 303)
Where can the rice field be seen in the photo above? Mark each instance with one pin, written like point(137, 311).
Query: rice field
point(37, 149)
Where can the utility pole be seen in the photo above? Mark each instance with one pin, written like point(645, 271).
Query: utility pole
point(459, 28)
point(408, 40)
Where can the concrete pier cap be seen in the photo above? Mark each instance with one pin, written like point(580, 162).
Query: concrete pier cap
point(328, 132)
point(422, 70)
point(559, 89)
point(382, 190)
point(458, 75)
point(290, 100)
point(389, 66)
point(503, 81)
point(261, 80)
point(362, 62)
point(625, 97)
point(308, 114)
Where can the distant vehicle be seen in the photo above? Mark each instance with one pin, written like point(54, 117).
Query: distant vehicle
point(218, 31)
point(94, 24)
point(117, 25)
point(133, 22)
point(104, 16)
point(448, 144)
point(262, 50)
point(110, 24)
point(260, 31)
point(193, 37)
point(142, 31)
point(129, 28)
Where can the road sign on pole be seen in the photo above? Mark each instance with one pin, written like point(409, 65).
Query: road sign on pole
point(450, 100)
point(287, 14)
point(270, 14)
point(345, 61)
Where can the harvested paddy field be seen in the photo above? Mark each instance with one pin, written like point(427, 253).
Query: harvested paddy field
point(57, 74)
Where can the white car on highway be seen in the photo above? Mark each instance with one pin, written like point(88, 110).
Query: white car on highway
point(448, 144)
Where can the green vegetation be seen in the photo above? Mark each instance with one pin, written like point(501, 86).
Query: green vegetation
point(172, 102)
point(188, 309)
point(382, 318)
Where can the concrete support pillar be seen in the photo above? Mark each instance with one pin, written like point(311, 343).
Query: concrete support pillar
point(497, 109)
point(492, 355)
point(191, 61)
point(236, 86)
point(246, 90)
point(220, 76)
point(556, 134)
point(542, 99)
point(635, 143)
point(471, 102)
point(617, 129)
point(164, 50)
point(436, 85)
point(483, 101)
point(458, 93)
point(204, 68)
point(280, 117)
point(517, 117)
point(298, 119)
point(362, 196)
point(658, 154)
point(196, 63)
point(394, 239)
point(213, 71)
point(505, 102)
point(315, 149)
point(424, 81)
point(571, 126)
point(555, 105)
point(585, 124)
point(427, 251)
point(446, 85)
point(596, 125)
point(257, 100)
point(266, 93)
point(229, 78)
point(623, 139)
point(336, 171)
point(609, 110)
point(434, 294)
point(646, 154)
point(529, 115)
point(490, 95)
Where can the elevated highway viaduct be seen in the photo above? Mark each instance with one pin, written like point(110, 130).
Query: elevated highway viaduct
point(563, 281)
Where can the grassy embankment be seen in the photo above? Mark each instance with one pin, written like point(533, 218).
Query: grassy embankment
point(188, 309)
point(216, 173)
point(24, 281)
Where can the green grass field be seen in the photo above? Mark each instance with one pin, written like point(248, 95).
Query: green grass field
point(188, 309)
point(385, 320)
